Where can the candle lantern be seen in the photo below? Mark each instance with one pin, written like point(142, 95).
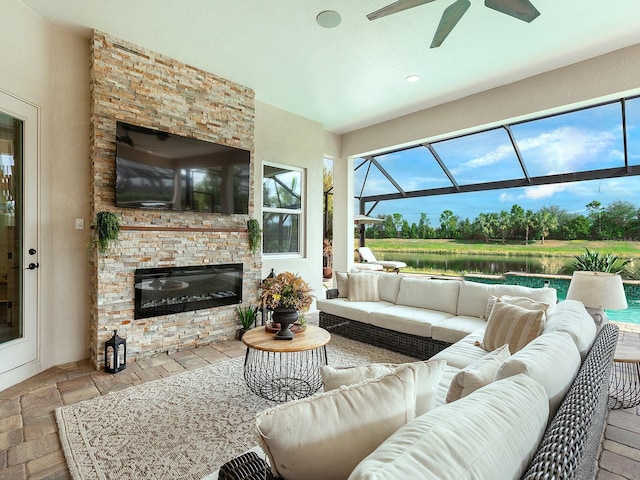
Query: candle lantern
point(115, 354)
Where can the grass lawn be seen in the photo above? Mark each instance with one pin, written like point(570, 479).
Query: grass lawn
point(550, 248)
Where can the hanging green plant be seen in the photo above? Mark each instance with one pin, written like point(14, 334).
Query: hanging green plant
point(255, 235)
point(107, 229)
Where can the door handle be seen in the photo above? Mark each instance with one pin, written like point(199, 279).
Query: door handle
point(32, 251)
point(33, 266)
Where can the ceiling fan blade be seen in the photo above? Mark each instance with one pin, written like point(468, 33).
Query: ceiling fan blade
point(396, 7)
point(520, 9)
point(451, 16)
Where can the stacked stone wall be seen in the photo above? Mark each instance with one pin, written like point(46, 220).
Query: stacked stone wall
point(137, 86)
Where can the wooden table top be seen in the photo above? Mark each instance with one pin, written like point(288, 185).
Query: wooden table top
point(312, 337)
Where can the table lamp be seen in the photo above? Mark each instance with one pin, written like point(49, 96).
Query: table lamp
point(597, 291)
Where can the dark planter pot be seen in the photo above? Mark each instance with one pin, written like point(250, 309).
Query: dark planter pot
point(285, 317)
point(240, 332)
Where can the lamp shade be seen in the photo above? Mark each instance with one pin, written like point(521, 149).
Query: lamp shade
point(598, 290)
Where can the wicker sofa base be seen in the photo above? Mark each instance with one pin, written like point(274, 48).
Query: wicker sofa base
point(412, 345)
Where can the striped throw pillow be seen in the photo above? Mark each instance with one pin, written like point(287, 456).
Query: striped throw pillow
point(513, 325)
point(363, 287)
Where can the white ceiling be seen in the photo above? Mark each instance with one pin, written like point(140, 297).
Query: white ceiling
point(353, 75)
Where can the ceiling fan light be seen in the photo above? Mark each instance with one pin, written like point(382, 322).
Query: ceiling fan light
point(328, 19)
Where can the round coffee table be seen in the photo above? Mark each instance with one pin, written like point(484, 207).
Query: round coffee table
point(282, 370)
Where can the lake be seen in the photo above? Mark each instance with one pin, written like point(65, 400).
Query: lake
point(488, 264)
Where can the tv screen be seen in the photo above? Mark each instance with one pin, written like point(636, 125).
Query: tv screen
point(164, 171)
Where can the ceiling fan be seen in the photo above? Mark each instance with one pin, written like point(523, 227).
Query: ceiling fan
point(520, 9)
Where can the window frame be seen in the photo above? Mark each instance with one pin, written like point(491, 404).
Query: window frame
point(300, 212)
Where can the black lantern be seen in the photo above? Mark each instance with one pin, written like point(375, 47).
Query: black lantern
point(115, 354)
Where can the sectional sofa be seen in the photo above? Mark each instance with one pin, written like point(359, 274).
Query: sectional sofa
point(515, 386)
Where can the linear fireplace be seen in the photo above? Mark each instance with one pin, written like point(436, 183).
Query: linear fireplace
point(162, 291)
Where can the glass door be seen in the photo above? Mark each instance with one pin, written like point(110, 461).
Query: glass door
point(18, 232)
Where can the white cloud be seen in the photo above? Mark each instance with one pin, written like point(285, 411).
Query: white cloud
point(567, 149)
point(507, 197)
point(543, 191)
point(495, 156)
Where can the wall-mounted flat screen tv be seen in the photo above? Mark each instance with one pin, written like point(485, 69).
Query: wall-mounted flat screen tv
point(163, 171)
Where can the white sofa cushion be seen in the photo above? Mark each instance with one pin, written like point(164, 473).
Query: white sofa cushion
point(570, 316)
point(411, 320)
point(440, 295)
point(473, 296)
point(491, 434)
point(513, 325)
point(428, 374)
point(552, 360)
point(325, 436)
point(358, 311)
point(480, 373)
point(389, 286)
point(545, 295)
point(464, 352)
point(363, 287)
point(455, 328)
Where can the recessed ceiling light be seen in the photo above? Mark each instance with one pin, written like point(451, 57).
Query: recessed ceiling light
point(412, 78)
point(328, 19)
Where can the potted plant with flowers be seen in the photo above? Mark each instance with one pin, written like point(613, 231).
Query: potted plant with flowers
point(288, 295)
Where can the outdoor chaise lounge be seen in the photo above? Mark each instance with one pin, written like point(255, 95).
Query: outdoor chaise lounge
point(366, 255)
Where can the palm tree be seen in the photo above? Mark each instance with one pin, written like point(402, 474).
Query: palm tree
point(546, 221)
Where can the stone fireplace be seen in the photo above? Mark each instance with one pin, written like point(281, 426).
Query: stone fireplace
point(140, 87)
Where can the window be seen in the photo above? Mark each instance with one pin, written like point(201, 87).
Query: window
point(282, 202)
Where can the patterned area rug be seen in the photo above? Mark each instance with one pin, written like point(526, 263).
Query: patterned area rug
point(180, 427)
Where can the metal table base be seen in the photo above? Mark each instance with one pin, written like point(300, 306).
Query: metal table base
point(284, 376)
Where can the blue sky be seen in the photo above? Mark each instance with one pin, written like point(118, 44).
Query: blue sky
point(577, 141)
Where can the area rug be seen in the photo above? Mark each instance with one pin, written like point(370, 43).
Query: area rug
point(180, 427)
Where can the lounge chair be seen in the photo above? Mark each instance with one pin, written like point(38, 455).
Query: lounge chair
point(366, 255)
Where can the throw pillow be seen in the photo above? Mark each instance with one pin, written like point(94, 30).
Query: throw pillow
point(491, 301)
point(325, 436)
point(363, 287)
point(523, 302)
point(478, 374)
point(512, 325)
point(342, 282)
point(428, 374)
point(526, 302)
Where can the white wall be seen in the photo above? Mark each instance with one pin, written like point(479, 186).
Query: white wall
point(284, 138)
point(49, 68)
point(601, 78)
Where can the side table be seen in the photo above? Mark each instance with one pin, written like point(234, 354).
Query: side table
point(282, 370)
point(624, 384)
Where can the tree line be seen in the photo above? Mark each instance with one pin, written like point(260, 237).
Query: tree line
point(620, 220)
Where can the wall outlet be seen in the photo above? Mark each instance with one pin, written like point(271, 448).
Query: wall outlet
point(79, 223)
